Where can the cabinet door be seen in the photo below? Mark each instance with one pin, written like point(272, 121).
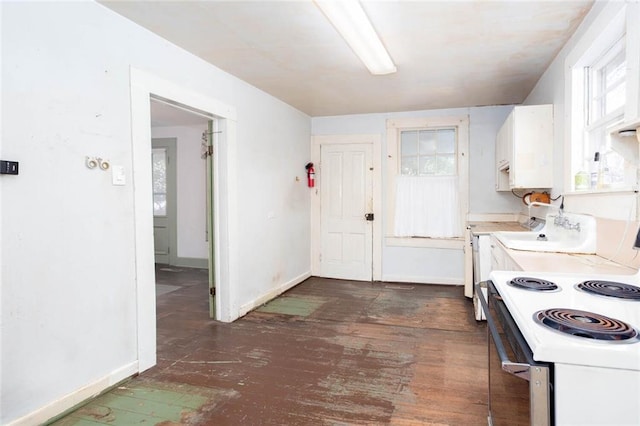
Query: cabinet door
point(504, 140)
point(531, 162)
point(524, 147)
point(497, 255)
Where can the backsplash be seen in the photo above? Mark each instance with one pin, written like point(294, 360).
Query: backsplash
point(615, 240)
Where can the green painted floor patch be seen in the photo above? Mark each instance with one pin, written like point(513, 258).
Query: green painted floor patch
point(164, 410)
point(141, 403)
point(72, 421)
point(116, 416)
point(148, 393)
point(293, 305)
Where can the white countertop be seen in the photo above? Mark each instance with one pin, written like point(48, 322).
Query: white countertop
point(566, 262)
point(481, 228)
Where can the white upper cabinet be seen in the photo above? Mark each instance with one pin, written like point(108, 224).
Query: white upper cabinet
point(524, 147)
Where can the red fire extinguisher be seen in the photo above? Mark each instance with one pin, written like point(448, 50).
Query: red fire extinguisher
point(311, 175)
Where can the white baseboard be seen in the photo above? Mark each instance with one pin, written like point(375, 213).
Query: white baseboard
point(63, 404)
point(192, 262)
point(248, 307)
point(422, 280)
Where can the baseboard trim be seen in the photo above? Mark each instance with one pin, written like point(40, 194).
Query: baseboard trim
point(192, 262)
point(422, 280)
point(57, 407)
point(248, 307)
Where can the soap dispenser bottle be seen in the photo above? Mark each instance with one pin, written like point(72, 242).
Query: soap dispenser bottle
point(595, 171)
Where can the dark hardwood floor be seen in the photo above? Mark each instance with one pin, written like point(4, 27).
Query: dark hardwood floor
point(327, 352)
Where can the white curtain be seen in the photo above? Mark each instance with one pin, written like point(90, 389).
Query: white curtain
point(427, 207)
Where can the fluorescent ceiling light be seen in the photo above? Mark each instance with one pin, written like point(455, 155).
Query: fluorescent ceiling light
point(348, 17)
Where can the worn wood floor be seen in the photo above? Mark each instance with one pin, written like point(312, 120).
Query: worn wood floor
point(327, 352)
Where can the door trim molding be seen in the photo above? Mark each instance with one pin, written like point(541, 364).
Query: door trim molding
point(370, 139)
point(143, 87)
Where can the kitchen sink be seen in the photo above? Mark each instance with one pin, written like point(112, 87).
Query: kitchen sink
point(562, 233)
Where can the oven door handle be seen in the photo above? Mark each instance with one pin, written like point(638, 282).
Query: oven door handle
point(518, 369)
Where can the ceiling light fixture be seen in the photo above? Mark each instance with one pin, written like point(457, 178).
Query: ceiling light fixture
point(348, 17)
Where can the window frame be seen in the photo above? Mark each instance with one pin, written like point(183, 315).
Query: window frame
point(615, 22)
point(394, 128)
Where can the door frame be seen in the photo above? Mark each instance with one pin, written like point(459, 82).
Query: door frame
point(316, 145)
point(170, 144)
point(145, 86)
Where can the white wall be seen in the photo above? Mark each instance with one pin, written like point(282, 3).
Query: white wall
point(190, 186)
point(68, 256)
point(429, 264)
point(551, 89)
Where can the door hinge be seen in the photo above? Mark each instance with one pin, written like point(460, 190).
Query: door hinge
point(369, 216)
point(212, 291)
point(209, 151)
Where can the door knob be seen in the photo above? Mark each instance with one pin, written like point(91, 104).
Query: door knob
point(369, 216)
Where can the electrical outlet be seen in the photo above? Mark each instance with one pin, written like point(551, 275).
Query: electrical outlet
point(636, 244)
point(8, 167)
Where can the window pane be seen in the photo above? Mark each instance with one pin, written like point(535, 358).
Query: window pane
point(159, 176)
point(615, 99)
point(409, 140)
point(446, 141)
point(428, 142)
point(159, 157)
point(615, 167)
point(409, 166)
point(607, 83)
point(159, 204)
point(615, 71)
point(427, 165)
point(446, 165)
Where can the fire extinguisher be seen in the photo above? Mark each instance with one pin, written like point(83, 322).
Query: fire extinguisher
point(311, 175)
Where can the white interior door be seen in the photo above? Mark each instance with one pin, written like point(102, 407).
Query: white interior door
point(346, 188)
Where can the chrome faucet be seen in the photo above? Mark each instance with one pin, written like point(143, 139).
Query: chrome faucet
point(560, 219)
point(537, 203)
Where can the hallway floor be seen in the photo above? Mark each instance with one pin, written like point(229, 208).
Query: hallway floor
point(328, 352)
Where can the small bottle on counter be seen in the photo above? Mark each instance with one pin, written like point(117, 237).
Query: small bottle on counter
point(595, 170)
point(581, 181)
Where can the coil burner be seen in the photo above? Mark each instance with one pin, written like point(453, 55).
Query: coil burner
point(610, 289)
point(534, 284)
point(586, 324)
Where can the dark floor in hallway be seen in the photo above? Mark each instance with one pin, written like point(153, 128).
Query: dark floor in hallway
point(327, 352)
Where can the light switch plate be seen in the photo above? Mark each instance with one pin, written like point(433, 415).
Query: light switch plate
point(8, 167)
point(118, 176)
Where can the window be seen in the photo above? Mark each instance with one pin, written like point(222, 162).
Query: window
point(601, 94)
point(159, 176)
point(604, 88)
point(428, 152)
point(427, 180)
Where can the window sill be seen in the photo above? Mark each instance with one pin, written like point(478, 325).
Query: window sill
point(612, 191)
point(422, 242)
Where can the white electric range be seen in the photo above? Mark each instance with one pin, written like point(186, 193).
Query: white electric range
point(593, 381)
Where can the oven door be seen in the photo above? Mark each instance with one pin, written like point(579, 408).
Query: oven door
point(520, 388)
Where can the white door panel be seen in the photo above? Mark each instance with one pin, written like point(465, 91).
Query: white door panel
point(346, 197)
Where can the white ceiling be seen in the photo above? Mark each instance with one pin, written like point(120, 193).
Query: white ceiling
point(448, 53)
